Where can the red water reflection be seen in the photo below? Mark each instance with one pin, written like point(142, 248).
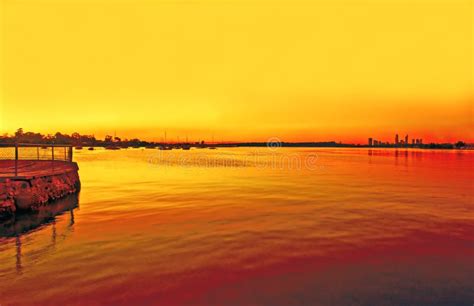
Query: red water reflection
point(368, 227)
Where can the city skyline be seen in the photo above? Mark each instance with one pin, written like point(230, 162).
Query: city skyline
point(397, 141)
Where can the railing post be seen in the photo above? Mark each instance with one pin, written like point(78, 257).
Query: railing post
point(38, 153)
point(70, 154)
point(52, 157)
point(16, 159)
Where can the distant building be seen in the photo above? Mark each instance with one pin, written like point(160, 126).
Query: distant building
point(396, 139)
point(370, 142)
point(412, 141)
point(406, 139)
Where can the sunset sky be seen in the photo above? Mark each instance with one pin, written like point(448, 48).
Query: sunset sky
point(239, 70)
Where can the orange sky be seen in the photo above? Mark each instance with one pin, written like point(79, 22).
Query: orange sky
point(239, 70)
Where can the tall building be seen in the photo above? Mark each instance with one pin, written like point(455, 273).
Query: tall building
point(396, 139)
point(406, 139)
point(370, 142)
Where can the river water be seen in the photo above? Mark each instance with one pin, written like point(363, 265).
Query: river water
point(250, 226)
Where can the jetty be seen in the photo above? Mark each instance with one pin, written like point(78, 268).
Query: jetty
point(33, 175)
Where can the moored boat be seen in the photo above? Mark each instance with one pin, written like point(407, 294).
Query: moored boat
point(112, 148)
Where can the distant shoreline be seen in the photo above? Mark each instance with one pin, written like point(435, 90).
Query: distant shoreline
point(441, 146)
point(113, 142)
point(432, 146)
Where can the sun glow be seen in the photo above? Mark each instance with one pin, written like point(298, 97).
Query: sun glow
point(239, 70)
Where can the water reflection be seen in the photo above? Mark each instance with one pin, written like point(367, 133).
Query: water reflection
point(24, 223)
point(216, 235)
point(18, 254)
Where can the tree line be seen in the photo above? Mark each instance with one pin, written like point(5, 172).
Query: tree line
point(75, 139)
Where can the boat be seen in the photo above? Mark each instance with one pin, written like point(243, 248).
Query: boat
point(166, 148)
point(78, 148)
point(112, 148)
point(186, 147)
point(91, 149)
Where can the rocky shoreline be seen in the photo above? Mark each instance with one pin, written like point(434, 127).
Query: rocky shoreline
point(32, 193)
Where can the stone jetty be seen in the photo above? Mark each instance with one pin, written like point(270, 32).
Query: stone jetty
point(40, 182)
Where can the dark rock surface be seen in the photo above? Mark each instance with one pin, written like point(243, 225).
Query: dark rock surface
point(30, 194)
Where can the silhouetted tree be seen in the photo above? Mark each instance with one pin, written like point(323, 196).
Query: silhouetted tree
point(108, 138)
point(19, 134)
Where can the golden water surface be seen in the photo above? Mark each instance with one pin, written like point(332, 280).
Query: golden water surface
point(250, 226)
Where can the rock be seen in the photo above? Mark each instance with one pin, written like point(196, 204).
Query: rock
point(31, 194)
point(24, 200)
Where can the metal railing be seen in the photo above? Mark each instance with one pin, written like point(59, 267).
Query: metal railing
point(14, 156)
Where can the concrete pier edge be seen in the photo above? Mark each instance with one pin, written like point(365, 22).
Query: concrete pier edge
point(29, 193)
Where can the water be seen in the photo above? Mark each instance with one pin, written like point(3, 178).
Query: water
point(242, 226)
